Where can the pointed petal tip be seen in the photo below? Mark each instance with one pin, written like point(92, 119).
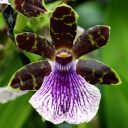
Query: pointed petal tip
point(118, 80)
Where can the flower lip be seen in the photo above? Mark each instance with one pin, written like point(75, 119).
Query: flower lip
point(63, 56)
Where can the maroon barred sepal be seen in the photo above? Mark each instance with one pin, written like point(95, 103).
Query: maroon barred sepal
point(96, 72)
point(30, 8)
point(31, 76)
point(63, 26)
point(90, 40)
point(34, 43)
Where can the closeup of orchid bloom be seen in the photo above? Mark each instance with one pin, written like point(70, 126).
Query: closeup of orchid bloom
point(64, 83)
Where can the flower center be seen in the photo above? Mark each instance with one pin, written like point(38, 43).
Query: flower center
point(63, 56)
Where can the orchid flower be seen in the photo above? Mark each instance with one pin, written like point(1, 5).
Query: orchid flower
point(64, 84)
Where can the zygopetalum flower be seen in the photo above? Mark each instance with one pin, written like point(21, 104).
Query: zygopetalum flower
point(64, 83)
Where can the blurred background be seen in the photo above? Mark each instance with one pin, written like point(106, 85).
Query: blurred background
point(113, 110)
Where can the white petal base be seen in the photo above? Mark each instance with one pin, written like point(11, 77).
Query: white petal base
point(6, 94)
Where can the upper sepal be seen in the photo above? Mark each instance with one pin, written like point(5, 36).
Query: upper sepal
point(34, 43)
point(30, 77)
point(63, 26)
point(96, 72)
point(90, 40)
point(29, 8)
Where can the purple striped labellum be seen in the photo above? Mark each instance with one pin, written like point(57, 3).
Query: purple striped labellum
point(64, 83)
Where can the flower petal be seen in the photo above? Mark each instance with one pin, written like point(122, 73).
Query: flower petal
point(36, 44)
point(90, 40)
point(66, 96)
point(30, 8)
point(96, 72)
point(63, 26)
point(7, 95)
point(30, 77)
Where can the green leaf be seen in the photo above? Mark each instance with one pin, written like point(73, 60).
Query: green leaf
point(15, 113)
point(10, 63)
point(115, 99)
point(2, 22)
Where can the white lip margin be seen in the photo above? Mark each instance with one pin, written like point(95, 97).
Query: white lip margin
point(4, 2)
point(6, 94)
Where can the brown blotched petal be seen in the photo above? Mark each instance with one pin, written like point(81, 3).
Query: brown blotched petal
point(31, 76)
point(90, 40)
point(30, 8)
point(96, 72)
point(63, 26)
point(31, 42)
